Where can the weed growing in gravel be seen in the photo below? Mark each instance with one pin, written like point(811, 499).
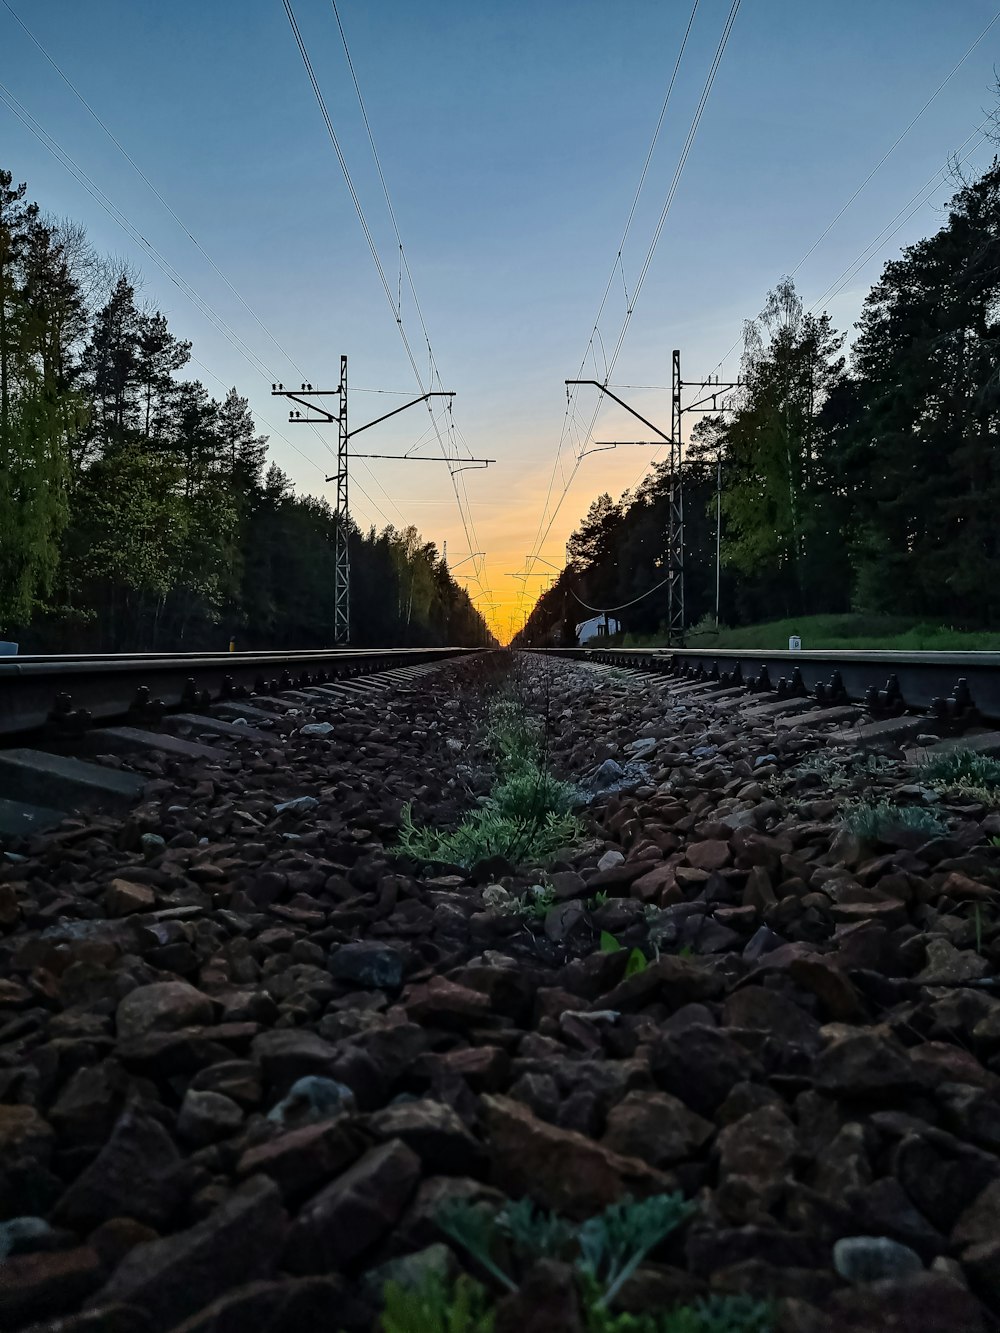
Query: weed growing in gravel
point(535, 903)
point(484, 834)
point(606, 1250)
point(872, 822)
point(523, 794)
point(437, 1306)
point(714, 1314)
point(637, 960)
point(527, 815)
point(965, 772)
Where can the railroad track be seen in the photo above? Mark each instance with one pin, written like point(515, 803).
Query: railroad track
point(950, 690)
point(237, 1009)
point(73, 706)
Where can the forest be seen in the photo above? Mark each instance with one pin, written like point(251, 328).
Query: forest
point(863, 482)
point(139, 513)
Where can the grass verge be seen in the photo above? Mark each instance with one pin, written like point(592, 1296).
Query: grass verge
point(845, 631)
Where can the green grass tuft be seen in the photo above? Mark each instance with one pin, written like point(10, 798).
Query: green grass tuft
point(486, 833)
point(966, 773)
point(526, 817)
point(525, 793)
point(872, 821)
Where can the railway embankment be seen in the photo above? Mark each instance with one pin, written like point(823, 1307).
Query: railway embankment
point(730, 1057)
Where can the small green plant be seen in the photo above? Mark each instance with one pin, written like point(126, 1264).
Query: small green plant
point(964, 771)
point(614, 1244)
point(600, 899)
point(485, 833)
point(637, 962)
point(544, 1235)
point(474, 1228)
point(437, 1306)
point(536, 903)
point(608, 942)
point(995, 842)
point(524, 794)
point(527, 816)
point(714, 1314)
point(871, 822)
point(609, 1247)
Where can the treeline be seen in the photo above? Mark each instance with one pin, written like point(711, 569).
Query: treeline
point(137, 512)
point(864, 485)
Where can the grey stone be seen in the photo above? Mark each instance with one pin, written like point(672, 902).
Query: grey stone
point(317, 729)
point(872, 1258)
point(410, 1270)
point(20, 1234)
point(164, 1006)
point(310, 1099)
point(763, 941)
point(377, 966)
point(611, 859)
point(605, 776)
point(207, 1116)
point(297, 803)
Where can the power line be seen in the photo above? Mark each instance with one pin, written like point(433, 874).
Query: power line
point(894, 145)
point(606, 610)
point(682, 160)
point(393, 305)
point(903, 216)
point(595, 331)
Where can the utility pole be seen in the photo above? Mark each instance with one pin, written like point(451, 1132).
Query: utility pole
point(676, 621)
point(342, 559)
point(711, 388)
point(675, 535)
point(341, 548)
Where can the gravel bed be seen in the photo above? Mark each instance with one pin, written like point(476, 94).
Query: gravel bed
point(247, 1053)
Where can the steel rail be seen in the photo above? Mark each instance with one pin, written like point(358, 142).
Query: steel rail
point(42, 690)
point(942, 684)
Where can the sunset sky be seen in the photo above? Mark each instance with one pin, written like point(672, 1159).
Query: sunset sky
point(512, 137)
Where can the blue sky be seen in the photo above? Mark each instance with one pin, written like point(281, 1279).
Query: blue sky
point(512, 136)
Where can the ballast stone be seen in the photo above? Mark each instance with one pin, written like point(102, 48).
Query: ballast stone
point(872, 1258)
point(377, 966)
point(312, 1098)
point(317, 729)
point(297, 803)
point(164, 1006)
